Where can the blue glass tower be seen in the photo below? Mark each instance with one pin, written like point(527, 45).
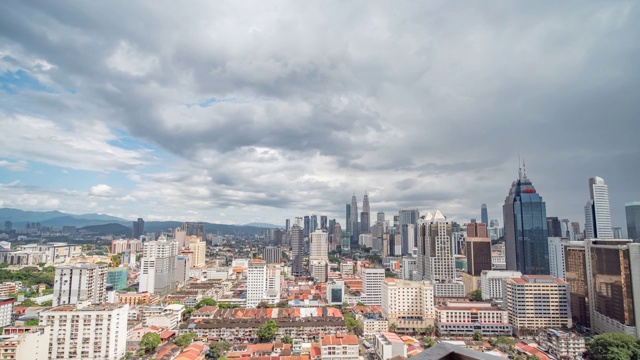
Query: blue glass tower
point(525, 227)
point(484, 215)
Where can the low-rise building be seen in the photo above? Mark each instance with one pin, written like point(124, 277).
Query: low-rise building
point(464, 319)
point(389, 345)
point(562, 344)
point(408, 304)
point(339, 347)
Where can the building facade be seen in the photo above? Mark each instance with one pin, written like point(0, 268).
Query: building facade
point(408, 304)
point(79, 283)
point(464, 319)
point(597, 215)
point(632, 212)
point(157, 266)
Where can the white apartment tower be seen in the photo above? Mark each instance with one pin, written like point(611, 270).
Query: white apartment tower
point(158, 265)
point(199, 249)
point(93, 332)
point(491, 282)
point(80, 283)
point(263, 283)
point(319, 255)
point(372, 279)
point(597, 216)
point(408, 304)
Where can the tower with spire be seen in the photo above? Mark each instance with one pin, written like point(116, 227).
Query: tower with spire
point(365, 215)
point(353, 221)
point(525, 227)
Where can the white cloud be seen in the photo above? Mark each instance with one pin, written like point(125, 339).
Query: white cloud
point(101, 190)
point(128, 59)
point(14, 165)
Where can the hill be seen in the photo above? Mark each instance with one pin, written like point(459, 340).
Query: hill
point(264, 225)
point(108, 229)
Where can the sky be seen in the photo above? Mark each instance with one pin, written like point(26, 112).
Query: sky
point(238, 112)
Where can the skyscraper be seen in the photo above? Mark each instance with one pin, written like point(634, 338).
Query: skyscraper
point(313, 223)
point(138, 228)
point(297, 249)
point(307, 226)
point(406, 217)
point(354, 225)
point(157, 266)
point(632, 211)
point(348, 217)
point(365, 216)
point(319, 255)
point(287, 224)
point(194, 229)
point(323, 222)
point(484, 215)
point(525, 226)
point(597, 216)
point(554, 228)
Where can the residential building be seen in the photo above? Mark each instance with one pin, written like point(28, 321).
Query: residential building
point(92, 332)
point(464, 319)
point(408, 304)
point(297, 249)
point(632, 212)
point(79, 283)
point(272, 254)
point(263, 283)
point(136, 298)
point(9, 287)
point(372, 279)
point(319, 255)
point(537, 302)
point(491, 282)
point(388, 346)
point(339, 347)
point(183, 264)
point(597, 216)
point(556, 257)
point(436, 256)
point(157, 266)
point(199, 249)
point(563, 344)
point(6, 311)
point(525, 226)
point(118, 276)
point(25, 343)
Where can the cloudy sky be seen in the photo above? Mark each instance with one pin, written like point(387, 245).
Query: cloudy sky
point(236, 112)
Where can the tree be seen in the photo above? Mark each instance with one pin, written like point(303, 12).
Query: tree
point(613, 347)
point(345, 304)
point(360, 303)
point(533, 357)
point(475, 295)
point(350, 322)
point(389, 274)
point(47, 303)
point(477, 336)
point(263, 305)
point(28, 302)
point(282, 304)
point(430, 330)
point(150, 341)
point(206, 302)
point(218, 348)
point(32, 322)
point(287, 339)
point(394, 327)
point(185, 339)
point(267, 331)
point(127, 356)
point(428, 341)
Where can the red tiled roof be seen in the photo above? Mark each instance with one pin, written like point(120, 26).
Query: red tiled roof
point(339, 340)
point(167, 334)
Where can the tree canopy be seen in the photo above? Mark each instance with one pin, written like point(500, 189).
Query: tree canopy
point(150, 341)
point(267, 331)
point(185, 339)
point(613, 347)
point(475, 295)
point(218, 348)
point(206, 302)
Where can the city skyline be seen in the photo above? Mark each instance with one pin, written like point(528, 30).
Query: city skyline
point(209, 115)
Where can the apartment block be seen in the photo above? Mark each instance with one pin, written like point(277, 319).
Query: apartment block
point(80, 282)
point(464, 319)
point(25, 343)
point(408, 304)
point(563, 344)
point(339, 347)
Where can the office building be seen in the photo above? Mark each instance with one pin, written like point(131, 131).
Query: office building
point(380, 219)
point(80, 283)
point(319, 255)
point(408, 234)
point(617, 232)
point(313, 223)
point(348, 217)
point(597, 216)
point(491, 282)
point(575, 231)
point(25, 343)
point(365, 215)
point(537, 302)
point(484, 215)
point(372, 279)
point(307, 226)
point(476, 230)
point(525, 226)
point(92, 332)
point(478, 254)
point(158, 265)
point(465, 318)
point(297, 249)
point(287, 225)
point(323, 222)
point(557, 263)
point(436, 258)
point(335, 292)
point(183, 264)
point(576, 275)
point(272, 254)
point(613, 278)
point(632, 212)
point(554, 227)
point(263, 283)
point(118, 277)
point(137, 229)
point(408, 304)
point(194, 229)
point(409, 266)
point(339, 347)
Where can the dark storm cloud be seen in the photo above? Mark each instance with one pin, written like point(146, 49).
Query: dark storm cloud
point(297, 105)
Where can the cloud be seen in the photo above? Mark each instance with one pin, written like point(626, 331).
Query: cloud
point(274, 110)
point(14, 165)
point(101, 190)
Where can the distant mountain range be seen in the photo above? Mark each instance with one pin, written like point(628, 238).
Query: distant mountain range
point(264, 225)
point(103, 223)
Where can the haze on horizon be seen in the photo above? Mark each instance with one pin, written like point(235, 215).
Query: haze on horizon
point(231, 112)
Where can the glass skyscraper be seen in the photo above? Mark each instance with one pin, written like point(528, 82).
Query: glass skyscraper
point(525, 227)
point(632, 211)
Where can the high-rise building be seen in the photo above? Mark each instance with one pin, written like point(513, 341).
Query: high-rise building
point(6, 311)
point(477, 230)
point(297, 249)
point(138, 228)
point(365, 216)
point(380, 218)
point(323, 222)
point(554, 227)
point(25, 343)
point(183, 264)
point(537, 302)
point(525, 226)
point(478, 252)
point(617, 232)
point(287, 225)
point(157, 266)
point(372, 279)
point(484, 215)
point(348, 217)
point(199, 249)
point(575, 229)
point(118, 276)
point(408, 217)
point(93, 332)
point(313, 223)
point(354, 226)
point(632, 212)
point(8, 225)
point(272, 254)
point(319, 255)
point(263, 283)
point(408, 304)
point(436, 261)
point(194, 229)
point(566, 229)
point(557, 265)
point(597, 216)
point(491, 282)
point(78, 283)
point(307, 226)
point(575, 261)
